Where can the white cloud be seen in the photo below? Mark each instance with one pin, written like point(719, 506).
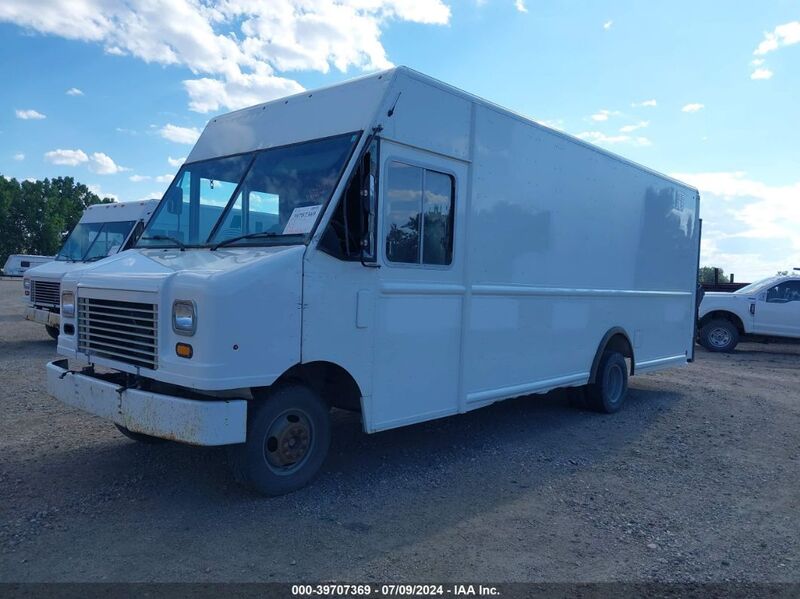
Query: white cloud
point(608, 24)
point(98, 162)
point(757, 62)
point(234, 47)
point(603, 115)
point(66, 157)
point(27, 115)
point(645, 104)
point(19, 156)
point(95, 189)
point(693, 107)
point(783, 35)
point(139, 178)
point(634, 127)
point(601, 138)
point(761, 74)
point(520, 5)
point(74, 91)
point(176, 162)
point(164, 178)
point(180, 135)
point(102, 164)
point(744, 209)
point(240, 90)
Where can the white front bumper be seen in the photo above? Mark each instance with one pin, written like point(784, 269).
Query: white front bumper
point(194, 421)
point(45, 317)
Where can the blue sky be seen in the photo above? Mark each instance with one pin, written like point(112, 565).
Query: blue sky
point(707, 91)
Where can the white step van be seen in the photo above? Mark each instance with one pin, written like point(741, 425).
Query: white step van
point(17, 264)
point(390, 245)
point(103, 230)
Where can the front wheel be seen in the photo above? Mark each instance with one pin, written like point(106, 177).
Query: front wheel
point(719, 336)
point(52, 331)
point(288, 435)
point(608, 391)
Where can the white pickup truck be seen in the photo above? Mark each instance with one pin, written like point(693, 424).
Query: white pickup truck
point(769, 307)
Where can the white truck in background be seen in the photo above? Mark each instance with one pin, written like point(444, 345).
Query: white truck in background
point(770, 307)
point(391, 245)
point(17, 264)
point(103, 230)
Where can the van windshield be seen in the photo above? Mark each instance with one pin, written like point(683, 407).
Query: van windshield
point(93, 241)
point(269, 197)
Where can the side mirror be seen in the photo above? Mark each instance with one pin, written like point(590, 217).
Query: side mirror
point(174, 200)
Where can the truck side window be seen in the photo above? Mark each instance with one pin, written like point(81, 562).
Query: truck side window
point(788, 291)
point(419, 207)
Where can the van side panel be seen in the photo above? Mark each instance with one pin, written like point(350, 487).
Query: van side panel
point(564, 243)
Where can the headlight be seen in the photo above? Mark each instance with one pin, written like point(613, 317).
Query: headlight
point(68, 303)
point(184, 318)
point(26, 285)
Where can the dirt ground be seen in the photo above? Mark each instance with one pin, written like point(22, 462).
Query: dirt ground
point(696, 479)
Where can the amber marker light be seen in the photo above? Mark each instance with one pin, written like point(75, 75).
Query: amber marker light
point(184, 350)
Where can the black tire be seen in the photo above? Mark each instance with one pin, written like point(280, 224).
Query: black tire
point(52, 331)
point(607, 393)
point(719, 336)
point(139, 437)
point(288, 436)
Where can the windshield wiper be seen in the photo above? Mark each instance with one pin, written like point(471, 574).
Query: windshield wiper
point(165, 238)
point(95, 258)
point(248, 236)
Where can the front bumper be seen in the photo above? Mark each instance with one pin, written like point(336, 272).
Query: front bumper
point(198, 422)
point(45, 317)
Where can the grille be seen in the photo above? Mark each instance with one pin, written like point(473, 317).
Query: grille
point(124, 331)
point(45, 292)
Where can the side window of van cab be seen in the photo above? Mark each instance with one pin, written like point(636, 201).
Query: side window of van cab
point(419, 215)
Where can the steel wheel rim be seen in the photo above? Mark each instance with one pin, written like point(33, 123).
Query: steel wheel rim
point(288, 442)
point(719, 337)
point(614, 383)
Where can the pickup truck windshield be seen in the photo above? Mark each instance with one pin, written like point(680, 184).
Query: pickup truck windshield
point(93, 241)
point(268, 197)
point(757, 285)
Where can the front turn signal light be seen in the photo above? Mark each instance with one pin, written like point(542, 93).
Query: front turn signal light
point(184, 350)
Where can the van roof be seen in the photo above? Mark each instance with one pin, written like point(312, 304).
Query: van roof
point(344, 107)
point(119, 211)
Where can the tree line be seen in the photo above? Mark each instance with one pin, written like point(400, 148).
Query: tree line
point(37, 216)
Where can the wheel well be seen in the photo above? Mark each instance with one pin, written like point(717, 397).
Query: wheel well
point(331, 381)
point(615, 339)
point(722, 315)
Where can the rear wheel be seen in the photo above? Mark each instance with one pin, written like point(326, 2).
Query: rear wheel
point(719, 336)
point(52, 331)
point(607, 393)
point(288, 435)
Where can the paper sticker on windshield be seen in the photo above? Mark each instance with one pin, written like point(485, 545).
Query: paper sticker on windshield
point(302, 219)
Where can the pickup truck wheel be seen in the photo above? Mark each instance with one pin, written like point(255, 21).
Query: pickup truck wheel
point(608, 391)
point(52, 331)
point(139, 437)
point(719, 336)
point(288, 435)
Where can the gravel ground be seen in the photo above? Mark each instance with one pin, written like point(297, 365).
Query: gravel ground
point(695, 480)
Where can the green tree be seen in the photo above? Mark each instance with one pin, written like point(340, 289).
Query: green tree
point(36, 216)
point(706, 275)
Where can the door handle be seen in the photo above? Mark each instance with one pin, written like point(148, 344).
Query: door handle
point(752, 309)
